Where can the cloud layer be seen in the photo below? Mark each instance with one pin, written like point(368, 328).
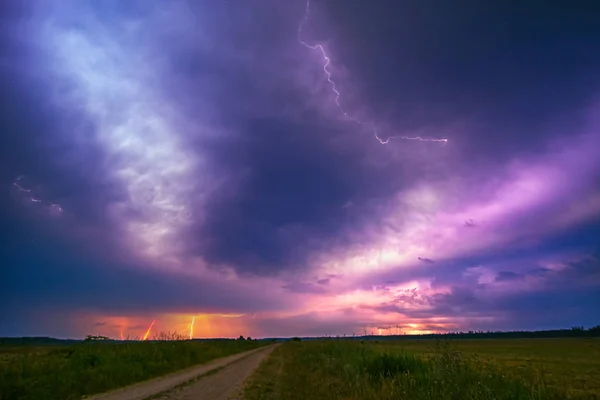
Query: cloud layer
point(169, 160)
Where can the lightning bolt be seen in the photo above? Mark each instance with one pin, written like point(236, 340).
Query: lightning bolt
point(148, 331)
point(54, 207)
point(192, 327)
point(326, 62)
point(16, 184)
point(122, 335)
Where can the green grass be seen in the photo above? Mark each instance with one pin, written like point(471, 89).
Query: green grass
point(541, 369)
point(70, 372)
point(568, 364)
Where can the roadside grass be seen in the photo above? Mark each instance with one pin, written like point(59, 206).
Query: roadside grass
point(343, 369)
point(86, 368)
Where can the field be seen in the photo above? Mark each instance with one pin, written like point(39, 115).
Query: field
point(71, 371)
point(469, 369)
point(427, 369)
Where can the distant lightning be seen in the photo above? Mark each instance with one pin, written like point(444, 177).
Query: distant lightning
point(56, 208)
point(148, 331)
point(192, 327)
point(338, 94)
point(22, 189)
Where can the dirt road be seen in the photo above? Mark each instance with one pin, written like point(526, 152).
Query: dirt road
point(224, 380)
point(226, 384)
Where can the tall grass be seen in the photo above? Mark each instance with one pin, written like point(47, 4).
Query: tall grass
point(69, 372)
point(338, 369)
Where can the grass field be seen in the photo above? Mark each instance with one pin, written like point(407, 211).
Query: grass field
point(427, 369)
point(69, 372)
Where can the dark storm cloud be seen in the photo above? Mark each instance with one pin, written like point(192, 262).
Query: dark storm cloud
point(76, 282)
point(293, 196)
point(204, 130)
point(53, 147)
point(501, 64)
point(74, 180)
point(292, 189)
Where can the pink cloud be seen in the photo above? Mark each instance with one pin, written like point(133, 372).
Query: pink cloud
point(532, 196)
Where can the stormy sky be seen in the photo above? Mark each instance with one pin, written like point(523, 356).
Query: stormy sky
point(280, 168)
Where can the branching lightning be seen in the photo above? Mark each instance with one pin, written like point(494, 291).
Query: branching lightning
point(35, 199)
point(338, 95)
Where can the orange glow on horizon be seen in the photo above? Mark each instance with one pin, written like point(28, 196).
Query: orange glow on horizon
point(183, 326)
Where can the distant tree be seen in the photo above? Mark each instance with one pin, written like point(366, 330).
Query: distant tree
point(577, 328)
point(248, 338)
point(241, 338)
point(296, 339)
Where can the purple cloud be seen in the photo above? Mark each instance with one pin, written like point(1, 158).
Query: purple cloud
point(180, 160)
